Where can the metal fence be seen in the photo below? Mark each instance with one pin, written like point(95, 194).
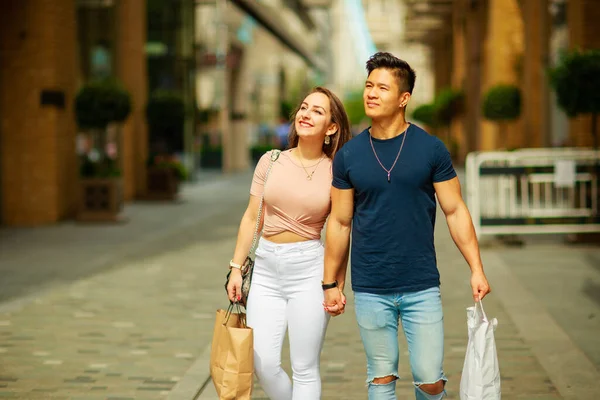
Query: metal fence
point(531, 191)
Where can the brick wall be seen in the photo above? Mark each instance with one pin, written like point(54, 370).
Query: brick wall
point(38, 51)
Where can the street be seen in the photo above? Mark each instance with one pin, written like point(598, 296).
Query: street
point(126, 311)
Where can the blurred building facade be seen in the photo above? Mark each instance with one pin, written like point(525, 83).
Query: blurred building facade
point(476, 44)
point(273, 50)
point(387, 24)
point(47, 50)
point(254, 57)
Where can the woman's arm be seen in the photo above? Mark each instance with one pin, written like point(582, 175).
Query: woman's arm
point(242, 246)
point(246, 230)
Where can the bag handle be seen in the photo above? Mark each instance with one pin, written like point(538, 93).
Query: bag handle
point(480, 303)
point(274, 156)
point(242, 316)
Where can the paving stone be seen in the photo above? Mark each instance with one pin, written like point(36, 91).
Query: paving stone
point(138, 325)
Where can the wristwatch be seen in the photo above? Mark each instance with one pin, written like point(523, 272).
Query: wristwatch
point(327, 286)
point(234, 265)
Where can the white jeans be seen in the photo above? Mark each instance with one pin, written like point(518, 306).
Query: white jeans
point(286, 292)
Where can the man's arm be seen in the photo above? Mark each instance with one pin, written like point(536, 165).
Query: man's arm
point(337, 242)
point(462, 232)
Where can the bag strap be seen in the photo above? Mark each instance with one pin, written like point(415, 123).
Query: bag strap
point(480, 304)
point(241, 315)
point(274, 156)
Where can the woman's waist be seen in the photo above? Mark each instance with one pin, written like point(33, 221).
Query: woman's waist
point(286, 237)
point(302, 244)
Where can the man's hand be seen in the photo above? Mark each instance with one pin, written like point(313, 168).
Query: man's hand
point(335, 302)
point(234, 287)
point(480, 285)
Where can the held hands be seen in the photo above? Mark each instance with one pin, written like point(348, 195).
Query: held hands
point(479, 285)
point(234, 287)
point(335, 301)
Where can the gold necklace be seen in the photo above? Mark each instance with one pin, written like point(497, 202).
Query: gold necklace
point(309, 176)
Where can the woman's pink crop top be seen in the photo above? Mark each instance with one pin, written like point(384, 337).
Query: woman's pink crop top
point(293, 202)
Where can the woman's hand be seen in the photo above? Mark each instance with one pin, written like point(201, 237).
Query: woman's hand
point(234, 287)
point(335, 302)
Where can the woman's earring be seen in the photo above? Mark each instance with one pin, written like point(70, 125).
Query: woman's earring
point(327, 140)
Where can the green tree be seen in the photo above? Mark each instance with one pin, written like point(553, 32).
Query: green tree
point(426, 114)
point(576, 80)
point(98, 104)
point(354, 105)
point(448, 104)
point(502, 104)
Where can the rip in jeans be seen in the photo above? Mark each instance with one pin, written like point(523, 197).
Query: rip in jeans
point(428, 396)
point(372, 381)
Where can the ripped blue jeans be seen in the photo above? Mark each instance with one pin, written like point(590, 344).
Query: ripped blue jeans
point(378, 317)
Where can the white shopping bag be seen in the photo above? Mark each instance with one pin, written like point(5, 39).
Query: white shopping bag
point(481, 374)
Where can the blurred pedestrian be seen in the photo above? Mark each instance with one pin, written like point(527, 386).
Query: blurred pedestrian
point(385, 183)
point(282, 131)
point(287, 289)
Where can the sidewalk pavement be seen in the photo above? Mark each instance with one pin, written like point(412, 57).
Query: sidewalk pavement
point(538, 360)
point(35, 259)
point(139, 324)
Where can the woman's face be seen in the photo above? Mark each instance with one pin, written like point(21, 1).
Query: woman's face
point(313, 119)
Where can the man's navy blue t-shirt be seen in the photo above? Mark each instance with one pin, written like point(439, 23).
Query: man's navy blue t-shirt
point(393, 223)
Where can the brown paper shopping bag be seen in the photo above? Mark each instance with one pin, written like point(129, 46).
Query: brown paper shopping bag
point(232, 355)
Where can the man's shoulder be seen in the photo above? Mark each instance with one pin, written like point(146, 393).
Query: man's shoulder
point(422, 134)
point(357, 142)
point(427, 141)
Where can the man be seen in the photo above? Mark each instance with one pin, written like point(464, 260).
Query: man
point(385, 183)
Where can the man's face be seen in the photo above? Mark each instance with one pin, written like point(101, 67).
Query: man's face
point(382, 96)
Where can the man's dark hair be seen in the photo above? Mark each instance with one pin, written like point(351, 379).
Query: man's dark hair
point(405, 74)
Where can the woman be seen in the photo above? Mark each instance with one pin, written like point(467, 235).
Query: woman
point(286, 284)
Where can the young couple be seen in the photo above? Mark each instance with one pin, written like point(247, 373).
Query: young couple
point(382, 186)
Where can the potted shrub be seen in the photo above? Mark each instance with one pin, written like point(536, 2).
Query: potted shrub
point(448, 105)
point(502, 104)
point(165, 114)
point(100, 107)
point(575, 80)
point(425, 113)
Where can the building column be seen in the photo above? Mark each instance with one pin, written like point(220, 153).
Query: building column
point(132, 71)
point(503, 47)
point(442, 59)
point(535, 94)
point(475, 28)
point(241, 86)
point(584, 33)
point(459, 61)
point(37, 127)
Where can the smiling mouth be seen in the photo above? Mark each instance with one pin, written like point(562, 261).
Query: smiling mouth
point(371, 104)
point(305, 124)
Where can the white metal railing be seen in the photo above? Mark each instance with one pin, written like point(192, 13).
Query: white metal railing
point(532, 191)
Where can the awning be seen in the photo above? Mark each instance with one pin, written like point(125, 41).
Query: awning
point(266, 17)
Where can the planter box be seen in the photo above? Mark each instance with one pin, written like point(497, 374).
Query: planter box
point(162, 184)
point(100, 200)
